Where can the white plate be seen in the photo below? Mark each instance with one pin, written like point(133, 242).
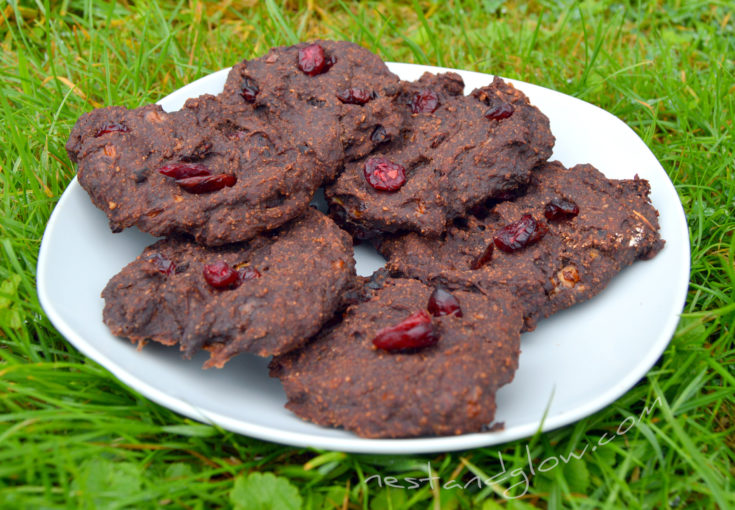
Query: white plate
point(576, 362)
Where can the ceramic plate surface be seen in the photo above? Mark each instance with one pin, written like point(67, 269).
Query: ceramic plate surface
point(575, 363)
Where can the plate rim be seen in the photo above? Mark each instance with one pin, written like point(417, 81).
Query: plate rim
point(356, 444)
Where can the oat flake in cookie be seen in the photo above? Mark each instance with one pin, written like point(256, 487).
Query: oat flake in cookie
point(341, 379)
point(558, 244)
point(286, 285)
point(455, 152)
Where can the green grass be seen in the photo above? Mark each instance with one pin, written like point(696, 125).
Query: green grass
point(72, 436)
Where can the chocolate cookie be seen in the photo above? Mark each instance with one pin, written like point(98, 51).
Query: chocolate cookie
point(203, 170)
point(262, 147)
point(558, 244)
point(266, 296)
point(341, 379)
point(454, 152)
point(335, 97)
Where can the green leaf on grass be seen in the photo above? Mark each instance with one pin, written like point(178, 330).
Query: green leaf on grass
point(577, 476)
point(508, 504)
point(178, 470)
point(389, 498)
point(191, 430)
point(330, 499)
point(492, 6)
point(102, 483)
point(266, 491)
point(491, 504)
point(9, 313)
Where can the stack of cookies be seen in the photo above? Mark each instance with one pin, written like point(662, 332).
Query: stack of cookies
point(483, 235)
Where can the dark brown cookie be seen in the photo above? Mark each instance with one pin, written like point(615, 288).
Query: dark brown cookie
point(573, 260)
point(273, 137)
point(341, 110)
point(290, 283)
point(455, 151)
point(265, 179)
point(341, 379)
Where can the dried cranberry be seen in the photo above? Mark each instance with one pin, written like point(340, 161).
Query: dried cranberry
point(112, 127)
point(425, 101)
point(184, 170)
point(379, 135)
point(221, 275)
point(249, 90)
point(520, 234)
point(354, 96)
point(249, 273)
point(313, 61)
point(161, 263)
point(484, 257)
point(442, 302)
point(500, 111)
point(206, 183)
point(384, 175)
point(415, 331)
point(560, 209)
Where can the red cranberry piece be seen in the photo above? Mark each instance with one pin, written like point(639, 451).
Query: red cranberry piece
point(221, 275)
point(520, 234)
point(354, 96)
point(249, 90)
point(184, 170)
point(112, 127)
point(206, 183)
point(249, 273)
point(161, 263)
point(560, 209)
point(313, 61)
point(442, 302)
point(500, 111)
point(484, 257)
point(414, 331)
point(384, 175)
point(425, 101)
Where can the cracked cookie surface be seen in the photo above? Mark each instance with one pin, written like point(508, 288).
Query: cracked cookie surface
point(341, 380)
point(575, 259)
point(454, 152)
point(281, 299)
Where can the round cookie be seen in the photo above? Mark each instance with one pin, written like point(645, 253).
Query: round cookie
point(291, 282)
point(573, 261)
point(341, 112)
point(121, 154)
point(455, 152)
point(341, 379)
